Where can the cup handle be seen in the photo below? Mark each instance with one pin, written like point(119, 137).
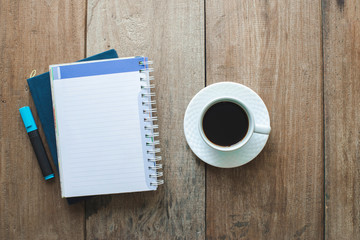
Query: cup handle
point(262, 129)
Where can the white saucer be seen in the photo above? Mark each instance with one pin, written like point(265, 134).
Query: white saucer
point(218, 158)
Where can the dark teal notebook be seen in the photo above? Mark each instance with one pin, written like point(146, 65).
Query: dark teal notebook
point(41, 93)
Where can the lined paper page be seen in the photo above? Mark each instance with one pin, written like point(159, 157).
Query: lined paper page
point(99, 136)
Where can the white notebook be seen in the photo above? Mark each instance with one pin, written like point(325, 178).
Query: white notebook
point(104, 123)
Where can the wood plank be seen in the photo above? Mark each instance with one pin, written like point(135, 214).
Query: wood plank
point(274, 47)
point(33, 35)
point(171, 34)
point(342, 126)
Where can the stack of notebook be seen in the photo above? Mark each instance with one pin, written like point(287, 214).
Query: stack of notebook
point(104, 141)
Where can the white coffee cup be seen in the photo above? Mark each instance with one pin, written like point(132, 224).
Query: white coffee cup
point(252, 128)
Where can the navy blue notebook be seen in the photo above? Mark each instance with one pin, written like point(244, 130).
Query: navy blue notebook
point(41, 93)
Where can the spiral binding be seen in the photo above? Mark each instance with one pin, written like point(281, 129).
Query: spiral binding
point(156, 175)
point(149, 127)
point(153, 151)
point(155, 159)
point(145, 79)
point(156, 142)
point(156, 167)
point(147, 111)
point(152, 135)
point(148, 95)
point(148, 86)
point(149, 102)
point(150, 119)
point(146, 70)
point(157, 182)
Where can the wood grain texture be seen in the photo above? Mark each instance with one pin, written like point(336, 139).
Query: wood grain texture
point(33, 34)
point(171, 33)
point(274, 47)
point(342, 126)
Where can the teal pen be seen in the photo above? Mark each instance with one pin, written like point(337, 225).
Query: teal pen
point(36, 142)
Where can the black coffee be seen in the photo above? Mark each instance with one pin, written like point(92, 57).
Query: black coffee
point(225, 123)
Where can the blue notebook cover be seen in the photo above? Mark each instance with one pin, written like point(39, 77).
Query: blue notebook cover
point(41, 93)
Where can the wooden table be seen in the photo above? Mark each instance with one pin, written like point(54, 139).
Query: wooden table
point(303, 59)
